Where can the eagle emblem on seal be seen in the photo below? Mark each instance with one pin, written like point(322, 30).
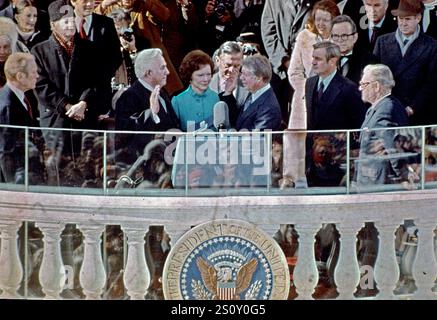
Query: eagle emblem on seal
point(221, 282)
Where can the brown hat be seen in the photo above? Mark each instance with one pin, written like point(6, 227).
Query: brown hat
point(408, 8)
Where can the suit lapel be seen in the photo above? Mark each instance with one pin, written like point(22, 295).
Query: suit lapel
point(328, 97)
point(303, 9)
point(311, 86)
point(292, 9)
point(253, 107)
point(413, 53)
point(393, 52)
point(19, 114)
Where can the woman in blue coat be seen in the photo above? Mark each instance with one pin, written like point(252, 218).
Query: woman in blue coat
point(194, 107)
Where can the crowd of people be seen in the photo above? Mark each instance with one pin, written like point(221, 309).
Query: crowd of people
point(155, 66)
point(158, 66)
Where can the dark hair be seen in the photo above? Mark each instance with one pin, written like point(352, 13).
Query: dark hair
point(192, 62)
point(325, 5)
point(345, 18)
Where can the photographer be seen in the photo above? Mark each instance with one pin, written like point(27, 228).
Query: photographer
point(218, 25)
point(125, 74)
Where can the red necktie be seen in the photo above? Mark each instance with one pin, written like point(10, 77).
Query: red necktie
point(29, 107)
point(82, 32)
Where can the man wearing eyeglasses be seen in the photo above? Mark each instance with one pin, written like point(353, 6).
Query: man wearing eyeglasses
point(412, 57)
point(386, 111)
point(352, 61)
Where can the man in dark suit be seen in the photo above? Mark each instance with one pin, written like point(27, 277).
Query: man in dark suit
point(386, 111)
point(281, 21)
point(17, 107)
point(353, 60)
point(333, 102)
point(376, 21)
point(99, 33)
point(411, 56)
point(145, 106)
point(68, 87)
point(429, 20)
point(261, 110)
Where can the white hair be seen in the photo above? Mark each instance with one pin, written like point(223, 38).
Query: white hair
point(381, 73)
point(9, 29)
point(144, 61)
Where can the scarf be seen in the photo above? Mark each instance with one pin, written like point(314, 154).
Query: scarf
point(68, 45)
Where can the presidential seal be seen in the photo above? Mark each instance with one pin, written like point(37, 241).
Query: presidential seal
point(226, 260)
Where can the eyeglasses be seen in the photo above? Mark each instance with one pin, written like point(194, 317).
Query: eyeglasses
point(343, 37)
point(363, 85)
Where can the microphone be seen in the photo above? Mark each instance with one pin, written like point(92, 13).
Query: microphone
point(221, 115)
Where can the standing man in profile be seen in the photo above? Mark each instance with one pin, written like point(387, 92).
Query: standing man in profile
point(412, 57)
point(18, 107)
point(98, 33)
point(385, 112)
point(261, 110)
point(333, 102)
point(371, 168)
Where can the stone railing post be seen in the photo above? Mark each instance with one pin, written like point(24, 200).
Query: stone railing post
point(175, 232)
point(347, 272)
point(386, 266)
point(92, 275)
point(52, 272)
point(306, 275)
point(425, 265)
point(11, 270)
point(136, 276)
point(271, 229)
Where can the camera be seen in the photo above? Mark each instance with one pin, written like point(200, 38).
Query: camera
point(222, 6)
point(220, 9)
point(249, 49)
point(127, 34)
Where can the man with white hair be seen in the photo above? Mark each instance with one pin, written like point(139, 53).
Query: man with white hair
point(386, 111)
point(146, 106)
point(157, 113)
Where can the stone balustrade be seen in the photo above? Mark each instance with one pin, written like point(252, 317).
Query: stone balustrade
point(52, 212)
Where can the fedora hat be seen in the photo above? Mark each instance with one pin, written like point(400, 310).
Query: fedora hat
point(408, 8)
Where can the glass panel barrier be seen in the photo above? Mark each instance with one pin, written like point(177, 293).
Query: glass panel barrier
point(201, 163)
point(309, 163)
point(226, 163)
point(386, 159)
point(431, 157)
point(66, 161)
point(12, 158)
point(140, 164)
